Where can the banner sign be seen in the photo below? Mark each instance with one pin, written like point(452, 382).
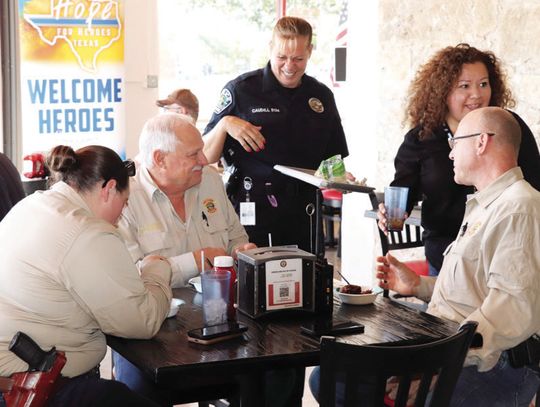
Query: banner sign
point(72, 74)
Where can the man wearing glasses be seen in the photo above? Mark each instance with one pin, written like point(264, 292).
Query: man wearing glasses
point(490, 273)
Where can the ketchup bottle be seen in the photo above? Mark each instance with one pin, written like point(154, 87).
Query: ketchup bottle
point(226, 263)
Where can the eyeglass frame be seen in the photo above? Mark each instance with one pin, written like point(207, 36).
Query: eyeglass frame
point(130, 167)
point(452, 139)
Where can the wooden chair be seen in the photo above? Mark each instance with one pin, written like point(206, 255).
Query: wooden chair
point(369, 367)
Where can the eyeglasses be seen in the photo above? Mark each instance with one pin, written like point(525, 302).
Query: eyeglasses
point(129, 165)
point(452, 139)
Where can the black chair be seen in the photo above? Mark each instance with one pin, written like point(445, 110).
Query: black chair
point(353, 365)
point(331, 213)
point(11, 188)
point(410, 237)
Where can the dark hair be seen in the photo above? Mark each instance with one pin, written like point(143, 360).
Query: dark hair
point(84, 168)
point(435, 80)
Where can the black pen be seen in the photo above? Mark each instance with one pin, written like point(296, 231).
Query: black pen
point(464, 229)
point(204, 217)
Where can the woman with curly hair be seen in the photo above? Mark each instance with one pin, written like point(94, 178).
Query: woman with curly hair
point(455, 81)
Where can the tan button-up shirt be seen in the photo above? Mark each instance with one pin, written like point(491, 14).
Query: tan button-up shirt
point(491, 272)
point(66, 279)
point(150, 225)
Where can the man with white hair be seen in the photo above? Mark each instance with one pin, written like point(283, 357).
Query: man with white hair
point(176, 208)
point(177, 205)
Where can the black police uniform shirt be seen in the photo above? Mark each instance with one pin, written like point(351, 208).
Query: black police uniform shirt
point(301, 126)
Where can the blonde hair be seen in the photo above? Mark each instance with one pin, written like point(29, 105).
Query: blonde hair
point(289, 28)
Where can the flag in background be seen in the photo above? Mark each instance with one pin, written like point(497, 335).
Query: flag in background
point(339, 72)
point(341, 37)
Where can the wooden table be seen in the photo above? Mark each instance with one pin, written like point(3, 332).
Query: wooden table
point(274, 342)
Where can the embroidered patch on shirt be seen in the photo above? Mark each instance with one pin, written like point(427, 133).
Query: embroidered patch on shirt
point(474, 228)
point(210, 205)
point(316, 105)
point(225, 100)
point(150, 228)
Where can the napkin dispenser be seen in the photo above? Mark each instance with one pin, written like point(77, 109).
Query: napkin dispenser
point(282, 278)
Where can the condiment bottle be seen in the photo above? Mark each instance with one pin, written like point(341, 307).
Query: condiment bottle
point(224, 264)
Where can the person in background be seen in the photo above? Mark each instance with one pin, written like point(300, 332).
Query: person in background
point(275, 115)
point(181, 101)
point(177, 208)
point(11, 189)
point(455, 81)
point(490, 271)
point(68, 279)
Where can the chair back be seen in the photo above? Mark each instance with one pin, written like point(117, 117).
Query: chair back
point(11, 188)
point(362, 371)
point(409, 237)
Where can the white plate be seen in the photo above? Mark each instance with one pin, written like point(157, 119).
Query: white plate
point(175, 305)
point(196, 282)
point(358, 299)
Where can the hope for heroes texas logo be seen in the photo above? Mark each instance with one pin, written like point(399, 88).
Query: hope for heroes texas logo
point(88, 27)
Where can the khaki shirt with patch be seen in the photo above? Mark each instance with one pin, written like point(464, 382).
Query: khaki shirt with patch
point(66, 280)
point(491, 272)
point(150, 225)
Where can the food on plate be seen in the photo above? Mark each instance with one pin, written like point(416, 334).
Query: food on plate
point(354, 289)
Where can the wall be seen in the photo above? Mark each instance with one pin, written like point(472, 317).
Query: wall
point(411, 32)
point(141, 60)
point(408, 33)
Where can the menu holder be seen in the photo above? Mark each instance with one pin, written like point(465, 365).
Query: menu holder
point(307, 175)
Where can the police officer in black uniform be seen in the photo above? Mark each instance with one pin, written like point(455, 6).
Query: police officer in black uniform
point(275, 115)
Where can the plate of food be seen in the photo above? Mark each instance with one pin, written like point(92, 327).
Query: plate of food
point(357, 295)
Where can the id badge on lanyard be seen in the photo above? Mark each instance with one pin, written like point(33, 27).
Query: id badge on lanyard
point(247, 208)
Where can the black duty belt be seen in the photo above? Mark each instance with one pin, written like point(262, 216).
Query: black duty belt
point(526, 354)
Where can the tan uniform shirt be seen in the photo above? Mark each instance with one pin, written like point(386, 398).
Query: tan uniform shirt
point(150, 225)
point(491, 272)
point(66, 279)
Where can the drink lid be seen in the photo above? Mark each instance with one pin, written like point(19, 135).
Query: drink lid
point(223, 261)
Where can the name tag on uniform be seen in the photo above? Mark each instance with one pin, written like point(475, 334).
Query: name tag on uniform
point(247, 213)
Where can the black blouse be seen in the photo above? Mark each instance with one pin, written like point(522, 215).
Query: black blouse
point(424, 167)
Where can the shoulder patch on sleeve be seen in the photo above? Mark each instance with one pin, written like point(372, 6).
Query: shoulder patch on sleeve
point(225, 100)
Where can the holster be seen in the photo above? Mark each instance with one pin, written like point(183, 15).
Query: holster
point(231, 180)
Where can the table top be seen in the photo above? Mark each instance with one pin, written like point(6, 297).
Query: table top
point(275, 340)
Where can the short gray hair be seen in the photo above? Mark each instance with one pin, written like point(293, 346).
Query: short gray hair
point(158, 133)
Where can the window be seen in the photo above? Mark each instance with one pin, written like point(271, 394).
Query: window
point(206, 43)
